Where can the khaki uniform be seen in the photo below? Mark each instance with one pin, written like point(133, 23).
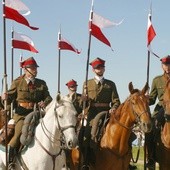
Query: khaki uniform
point(157, 91)
point(23, 95)
point(100, 98)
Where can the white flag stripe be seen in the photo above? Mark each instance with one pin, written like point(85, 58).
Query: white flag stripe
point(22, 37)
point(103, 22)
point(18, 5)
point(149, 21)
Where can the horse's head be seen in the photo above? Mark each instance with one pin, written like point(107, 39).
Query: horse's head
point(66, 120)
point(140, 107)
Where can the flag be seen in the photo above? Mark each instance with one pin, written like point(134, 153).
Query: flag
point(97, 23)
point(12, 11)
point(22, 41)
point(64, 44)
point(18, 5)
point(150, 30)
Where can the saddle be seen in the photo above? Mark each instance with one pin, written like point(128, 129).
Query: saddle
point(28, 129)
point(98, 125)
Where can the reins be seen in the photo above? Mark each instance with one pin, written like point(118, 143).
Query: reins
point(52, 155)
point(136, 115)
point(138, 151)
point(62, 139)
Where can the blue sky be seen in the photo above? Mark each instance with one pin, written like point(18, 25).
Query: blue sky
point(127, 63)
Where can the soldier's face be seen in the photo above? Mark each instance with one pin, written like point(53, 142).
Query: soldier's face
point(166, 68)
point(73, 88)
point(99, 71)
point(31, 71)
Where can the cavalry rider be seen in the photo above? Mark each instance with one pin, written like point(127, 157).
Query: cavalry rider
point(157, 91)
point(72, 88)
point(101, 95)
point(28, 92)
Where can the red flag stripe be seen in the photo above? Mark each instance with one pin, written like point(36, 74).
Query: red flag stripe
point(11, 13)
point(150, 30)
point(23, 45)
point(97, 33)
point(63, 45)
point(151, 34)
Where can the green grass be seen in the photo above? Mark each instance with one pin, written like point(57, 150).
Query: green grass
point(140, 162)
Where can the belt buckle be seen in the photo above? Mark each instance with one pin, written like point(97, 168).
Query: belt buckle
point(110, 104)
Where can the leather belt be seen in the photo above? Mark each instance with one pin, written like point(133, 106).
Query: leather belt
point(27, 105)
point(100, 104)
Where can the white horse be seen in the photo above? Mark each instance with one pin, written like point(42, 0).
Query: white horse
point(54, 133)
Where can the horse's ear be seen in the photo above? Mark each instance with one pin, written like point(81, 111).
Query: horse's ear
point(146, 87)
point(131, 87)
point(58, 97)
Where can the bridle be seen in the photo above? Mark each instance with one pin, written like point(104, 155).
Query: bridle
point(61, 139)
point(137, 115)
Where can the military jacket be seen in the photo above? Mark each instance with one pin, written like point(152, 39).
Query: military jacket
point(157, 91)
point(20, 92)
point(105, 93)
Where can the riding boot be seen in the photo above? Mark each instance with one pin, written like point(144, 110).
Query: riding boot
point(11, 155)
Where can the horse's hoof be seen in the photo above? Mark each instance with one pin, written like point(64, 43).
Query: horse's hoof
point(150, 164)
point(132, 167)
point(85, 167)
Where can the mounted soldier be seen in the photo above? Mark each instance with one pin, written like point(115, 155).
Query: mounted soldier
point(101, 96)
point(72, 88)
point(157, 91)
point(28, 92)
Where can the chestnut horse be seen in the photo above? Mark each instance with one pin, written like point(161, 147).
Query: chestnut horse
point(114, 152)
point(163, 141)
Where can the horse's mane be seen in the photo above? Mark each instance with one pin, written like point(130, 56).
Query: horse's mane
point(62, 99)
point(119, 111)
point(49, 105)
point(135, 91)
point(117, 114)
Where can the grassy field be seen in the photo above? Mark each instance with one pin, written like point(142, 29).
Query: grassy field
point(140, 162)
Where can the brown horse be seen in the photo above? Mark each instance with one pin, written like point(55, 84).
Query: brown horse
point(163, 141)
point(114, 152)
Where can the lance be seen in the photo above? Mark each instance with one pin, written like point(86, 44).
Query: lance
point(59, 56)
point(85, 90)
point(148, 68)
point(21, 58)
point(5, 82)
point(12, 65)
point(12, 55)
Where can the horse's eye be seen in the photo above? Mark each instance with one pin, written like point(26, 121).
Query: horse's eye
point(60, 116)
point(133, 102)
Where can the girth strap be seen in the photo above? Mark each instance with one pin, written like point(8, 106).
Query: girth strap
point(52, 156)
